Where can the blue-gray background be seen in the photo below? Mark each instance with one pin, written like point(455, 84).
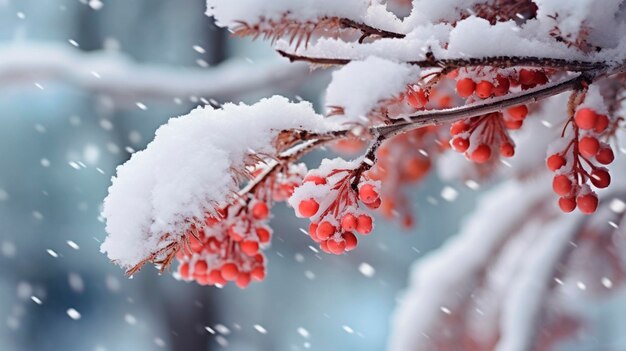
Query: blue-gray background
point(307, 302)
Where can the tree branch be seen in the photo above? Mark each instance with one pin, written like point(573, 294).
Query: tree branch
point(116, 76)
point(435, 117)
point(493, 61)
point(426, 118)
point(368, 30)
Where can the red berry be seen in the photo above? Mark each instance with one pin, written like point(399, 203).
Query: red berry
point(336, 247)
point(518, 113)
point(526, 77)
point(555, 162)
point(203, 279)
point(602, 123)
point(374, 205)
point(351, 241)
point(325, 230)
point(567, 204)
point(313, 232)
point(317, 180)
point(368, 193)
point(507, 150)
point(364, 224)
point(212, 245)
point(513, 125)
point(417, 99)
point(250, 247)
point(230, 271)
point(195, 245)
point(215, 277)
point(484, 89)
point(562, 185)
point(260, 210)
point(263, 234)
point(586, 118)
point(540, 77)
point(324, 246)
point(243, 280)
point(588, 146)
point(481, 154)
point(587, 204)
point(605, 156)
point(259, 258)
point(183, 270)
point(600, 178)
point(460, 144)
point(258, 273)
point(465, 87)
point(308, 208)
point(348, 222)
point(458, 127)
point(200, 268)
point(502, 87)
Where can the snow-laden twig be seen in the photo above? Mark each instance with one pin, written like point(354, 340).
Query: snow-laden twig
point(495, 61)
point(187, 172)
point(523, 306)
point(117, 76)
point(437, 279)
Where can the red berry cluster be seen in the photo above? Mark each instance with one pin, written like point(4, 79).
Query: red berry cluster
point(477, 136)
point(499, 84)
point(571, 177)
point(332, 203)
point(227, 247)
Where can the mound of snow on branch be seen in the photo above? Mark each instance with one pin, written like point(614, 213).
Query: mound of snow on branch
point(229, 13)
point(360, 85)
point(187, 170)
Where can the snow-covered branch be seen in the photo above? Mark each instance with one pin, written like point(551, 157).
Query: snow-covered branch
point(412, 88)
point(449, 64)
point(117, 76)
point(159, 192)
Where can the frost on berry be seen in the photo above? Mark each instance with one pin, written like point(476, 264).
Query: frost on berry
point(335, 198)
point(578, 159)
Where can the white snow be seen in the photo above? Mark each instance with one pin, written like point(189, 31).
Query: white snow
point(73, 313)
point(523, 306)
point(437, 278)
point(186, 171)
point(359, 86)
point(228, 13)
point(367, 270)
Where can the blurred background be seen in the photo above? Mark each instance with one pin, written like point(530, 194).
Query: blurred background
point(83, 84)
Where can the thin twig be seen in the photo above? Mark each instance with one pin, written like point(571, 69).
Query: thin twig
point(369, 30)
point(493, 61)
